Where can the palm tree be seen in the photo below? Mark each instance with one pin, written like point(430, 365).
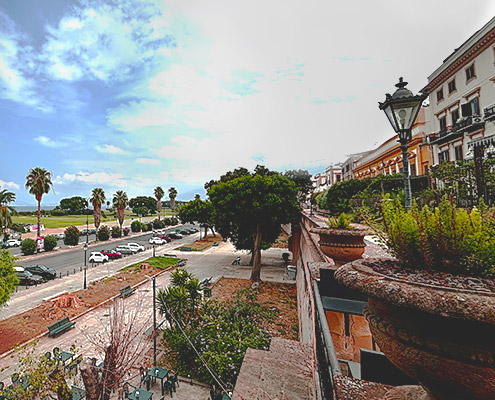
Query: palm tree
point(120, 202)
point(172, 194)
point(97, 199)
point(39, 182)
point(6, 197)
point(159, 193)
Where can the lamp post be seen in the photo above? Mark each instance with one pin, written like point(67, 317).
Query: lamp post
point(401, 109)
point(154, 317)
point(85, 268)
point(153, 249)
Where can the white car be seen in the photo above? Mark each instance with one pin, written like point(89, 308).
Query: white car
point(157, 240)
point(97, 257)
point(13, 243)
point(136, 246)
point(60, 236)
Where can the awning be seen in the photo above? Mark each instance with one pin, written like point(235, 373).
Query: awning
point(484, 141)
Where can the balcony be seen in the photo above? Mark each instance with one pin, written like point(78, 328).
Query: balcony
point(489, 113)
point(468, 124)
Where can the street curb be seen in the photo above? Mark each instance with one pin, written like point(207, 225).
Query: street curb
point(7, 353)
point(81, 245)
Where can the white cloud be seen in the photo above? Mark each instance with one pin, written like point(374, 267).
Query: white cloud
point(99, 178)
point(109, 148)
point(148, 161)
point(137, 115)
point(10, 185)
point(46, 141)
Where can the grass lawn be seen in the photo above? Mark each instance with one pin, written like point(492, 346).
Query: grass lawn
point(67, 220)
point(155, 262)
point(200, 245)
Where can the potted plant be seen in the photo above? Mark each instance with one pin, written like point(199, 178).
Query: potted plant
point(341, 241)
point(432, 308)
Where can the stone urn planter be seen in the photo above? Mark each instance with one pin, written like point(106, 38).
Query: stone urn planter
point(342, 245)
point(442, 336)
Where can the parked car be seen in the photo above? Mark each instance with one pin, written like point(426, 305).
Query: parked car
point(83, 232)
point(97, 257)
point(167, 238)
point(92, 231)
point(4, 245)
point(60, 236)
point(26, 277)
point(13, 243)
point(184, 232)
point(42, 270)
point(193, 229)
point(136, 246)
point(175, 235)
point(112, 254)
point(124, 249)
point(157, 240)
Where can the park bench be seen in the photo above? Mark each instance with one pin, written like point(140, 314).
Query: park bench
point(206, 281)
point(237, 261)
point(127, 291)
point(60, 326)
point(215, 244)
point(181, 263)
point(204, 286)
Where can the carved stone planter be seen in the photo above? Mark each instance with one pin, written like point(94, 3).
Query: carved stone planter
point(442, 337)
point(342, 245)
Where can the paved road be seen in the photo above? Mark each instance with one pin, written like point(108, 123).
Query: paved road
point(68, 261)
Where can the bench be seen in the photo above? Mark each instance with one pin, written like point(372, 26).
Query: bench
point(206, 281)
point(60, 326)
point(127, 291)
point(215, 244)
point(181, 263)
point(237, 261)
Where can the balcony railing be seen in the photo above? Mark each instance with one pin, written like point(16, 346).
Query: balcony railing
point(489, 112)
point(468, 123)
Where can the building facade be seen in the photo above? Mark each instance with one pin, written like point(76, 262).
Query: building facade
point(349, 164)
point(387, 158)
point(462, 97)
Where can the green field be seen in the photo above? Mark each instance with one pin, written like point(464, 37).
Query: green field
point(155, 262)
point(67, 220)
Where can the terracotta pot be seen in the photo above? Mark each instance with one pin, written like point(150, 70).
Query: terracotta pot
point(442, 337)
point(342, 245)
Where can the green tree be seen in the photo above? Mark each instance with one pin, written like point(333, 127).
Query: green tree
point(252, 205)
point(143, 201)
point(97, 199)
point(8, 280)
point(200, 211)
point(120, 202)
point(6, 197)
point(172, 194)
point(49, 243)
point(74, 205)
point(158, 193)
point(302, 180)
point(140, 211)
point(38, 183)
point(136, 226)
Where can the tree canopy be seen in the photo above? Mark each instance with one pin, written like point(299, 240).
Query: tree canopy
point(198, 210)
point(8, 280)
point(250, 209)
point(302, 180)
point(74, 205)
point(143, 201)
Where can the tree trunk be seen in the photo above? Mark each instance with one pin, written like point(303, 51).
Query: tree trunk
point(121, 215)
point(159, 208)
point(97, 217)
point(251, 262)
point(256, 271)
point(212, 231)
point(90, 378)
point(39, 221)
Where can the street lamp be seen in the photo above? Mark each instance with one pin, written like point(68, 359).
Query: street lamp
point(154, 317)
point(85, 268)
point(401, 109)
point(153, 249)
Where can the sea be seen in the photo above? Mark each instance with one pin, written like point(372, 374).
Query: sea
point(32, 208)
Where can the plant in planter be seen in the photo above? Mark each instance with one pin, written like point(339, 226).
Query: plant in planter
point(341, 241)
point(432, 308)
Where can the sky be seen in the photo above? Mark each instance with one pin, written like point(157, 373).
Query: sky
point(132, 94)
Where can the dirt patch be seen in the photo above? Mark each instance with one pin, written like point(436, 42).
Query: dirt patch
point(203, 244)
point(23, 327)
point(280, 297)
point(282, 241)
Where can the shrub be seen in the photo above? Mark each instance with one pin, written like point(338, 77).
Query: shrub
point(442, 238)
point(342, 222)
point(28, 247)
point(126, 231)
point(50, 242)
point(146, 227)
point(103, 233)
point(8, 279)
point(136, 226)
point(158, 224)
point(174, 221)
point(57, 212)
point(103, 215)
point(116, 232)
point(18, 227)
point(71, 236)
point(167, 221)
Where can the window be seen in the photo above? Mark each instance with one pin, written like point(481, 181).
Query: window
point(413, 169)
point(471, 108)
point(470, 73)
point(440, 95)
point(452, 87)
point(458, 153)
point(337, 177)
point(443, 123)
point(455, 116)
point(426, 169)
point(443, 156)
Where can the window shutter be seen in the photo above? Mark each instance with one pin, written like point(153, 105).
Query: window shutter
point(466, 110)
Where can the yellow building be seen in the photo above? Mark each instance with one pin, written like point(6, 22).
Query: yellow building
point(387, 158)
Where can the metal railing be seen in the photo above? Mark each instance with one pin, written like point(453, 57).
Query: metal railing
point(328, 364)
